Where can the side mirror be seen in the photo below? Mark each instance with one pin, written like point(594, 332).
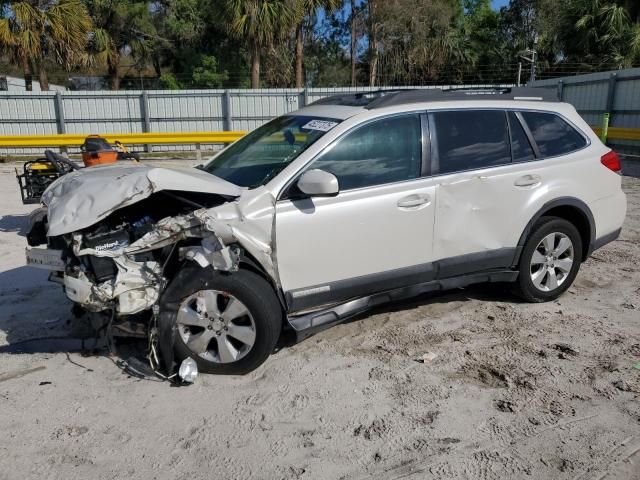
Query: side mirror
point(318, 183)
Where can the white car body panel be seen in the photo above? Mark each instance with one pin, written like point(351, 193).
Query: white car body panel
point(359, 232)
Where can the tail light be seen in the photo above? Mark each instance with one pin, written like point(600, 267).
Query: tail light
point(611, 160)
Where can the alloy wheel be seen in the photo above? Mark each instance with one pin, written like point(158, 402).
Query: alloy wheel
point(216, 326)
point(552, 261)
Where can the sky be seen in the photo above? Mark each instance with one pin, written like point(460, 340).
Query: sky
point(499, 3)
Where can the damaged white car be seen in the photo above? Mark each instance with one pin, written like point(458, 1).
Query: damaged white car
point(325, 212)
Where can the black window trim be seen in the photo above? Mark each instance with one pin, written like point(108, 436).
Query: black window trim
point(425, 140)
point(528, 134)
point(284, 191)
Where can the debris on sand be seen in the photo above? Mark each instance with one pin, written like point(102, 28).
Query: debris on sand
point(427, 357)
point(565, 349)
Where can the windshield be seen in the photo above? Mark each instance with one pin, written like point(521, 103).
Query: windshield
point(259, 156)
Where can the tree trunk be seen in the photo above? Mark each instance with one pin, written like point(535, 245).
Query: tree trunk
point(354, 42)
point(156, 66)
point(299, 55)
point(114, 75)
point(255, 67)
point(373, 43)
point(28, 77)
point(44, 78)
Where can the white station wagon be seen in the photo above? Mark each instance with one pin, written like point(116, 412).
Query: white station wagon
point(322, 213)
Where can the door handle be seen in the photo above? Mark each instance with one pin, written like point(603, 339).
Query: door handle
point(528, 181)
point(415, 200)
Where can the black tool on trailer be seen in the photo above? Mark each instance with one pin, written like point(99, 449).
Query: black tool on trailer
point(38, 174)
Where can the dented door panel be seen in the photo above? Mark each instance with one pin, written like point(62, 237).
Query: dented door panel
point(489, 209)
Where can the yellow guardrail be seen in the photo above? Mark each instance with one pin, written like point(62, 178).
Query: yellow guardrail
point(153, 138)
point(192, 138)
point(618, 133)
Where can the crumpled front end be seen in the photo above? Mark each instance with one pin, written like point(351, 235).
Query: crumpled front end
point(124, 261)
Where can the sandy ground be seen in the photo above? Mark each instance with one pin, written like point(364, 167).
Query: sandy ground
point(514, 391)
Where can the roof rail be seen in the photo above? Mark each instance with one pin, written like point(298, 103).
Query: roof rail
point(463, 93)
point(389, 97)
point(357, 99)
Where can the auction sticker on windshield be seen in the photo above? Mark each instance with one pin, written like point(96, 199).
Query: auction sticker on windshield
point(322, 125)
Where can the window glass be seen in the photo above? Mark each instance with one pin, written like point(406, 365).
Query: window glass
point(259, 156)
point(469, 139)
point(553, 135)
point(520, 146)
point(383, 151)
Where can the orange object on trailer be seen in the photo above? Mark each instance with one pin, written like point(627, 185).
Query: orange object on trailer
point(97, 151)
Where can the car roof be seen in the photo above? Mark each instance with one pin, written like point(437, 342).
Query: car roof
point(339, 112)
point(349, 105)
point(387, 98)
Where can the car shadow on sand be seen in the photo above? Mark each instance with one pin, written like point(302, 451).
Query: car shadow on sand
point(486, 292)
point(15, 224)
point(34, 314)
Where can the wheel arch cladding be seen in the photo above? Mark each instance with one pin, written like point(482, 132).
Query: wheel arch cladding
point(571, 209)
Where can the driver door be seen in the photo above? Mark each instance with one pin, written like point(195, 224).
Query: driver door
point(376, 234)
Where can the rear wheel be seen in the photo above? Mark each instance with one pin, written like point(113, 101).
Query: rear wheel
point(228, 323)
point(550, 260)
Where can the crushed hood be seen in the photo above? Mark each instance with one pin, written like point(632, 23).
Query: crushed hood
point(84, 197)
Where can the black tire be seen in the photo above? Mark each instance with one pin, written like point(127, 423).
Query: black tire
point(524, 286)
point(258, 297)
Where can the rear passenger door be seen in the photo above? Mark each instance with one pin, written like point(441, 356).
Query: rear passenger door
point(487, 182)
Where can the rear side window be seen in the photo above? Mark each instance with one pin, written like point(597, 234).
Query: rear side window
point(469, 139)
point(553, 135)
point(520, 146)
point(382, 151)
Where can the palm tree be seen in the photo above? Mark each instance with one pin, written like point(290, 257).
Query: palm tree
point(121, 26)
point(604, 33)
point(307, 10)
point(258, 24)
point(35, 31)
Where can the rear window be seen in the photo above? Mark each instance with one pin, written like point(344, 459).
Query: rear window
point(470, 139)
point(553, 135)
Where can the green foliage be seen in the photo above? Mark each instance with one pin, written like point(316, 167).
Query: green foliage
point(604, 33)
point(168, 81)
point(122, 27)
point(32, 33)
point(281, 43)
point(207, 74)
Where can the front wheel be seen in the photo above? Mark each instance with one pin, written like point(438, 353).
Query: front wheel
point(550, 260)
point(228, 323)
